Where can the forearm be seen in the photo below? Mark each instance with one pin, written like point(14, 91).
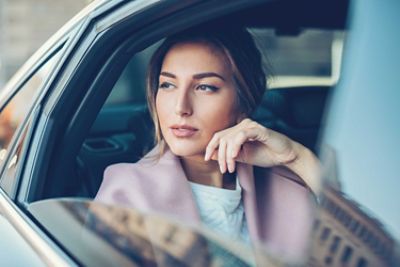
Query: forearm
point(307, 166)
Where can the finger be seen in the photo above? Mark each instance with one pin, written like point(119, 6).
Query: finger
point(229, 159)
point(222, 155)
point(240, 138)
point(212, 146)
point(234, 148)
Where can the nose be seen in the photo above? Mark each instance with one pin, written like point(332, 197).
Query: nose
point(183, 105)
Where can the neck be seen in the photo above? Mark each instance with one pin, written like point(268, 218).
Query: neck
point(207, 172)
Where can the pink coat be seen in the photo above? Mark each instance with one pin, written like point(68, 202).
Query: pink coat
point(278, 207)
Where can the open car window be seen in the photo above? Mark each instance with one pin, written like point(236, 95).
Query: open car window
point(123, 129)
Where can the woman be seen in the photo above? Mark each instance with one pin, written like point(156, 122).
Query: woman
point(212, 163)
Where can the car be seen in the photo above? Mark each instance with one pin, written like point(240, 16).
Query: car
point(78, 105)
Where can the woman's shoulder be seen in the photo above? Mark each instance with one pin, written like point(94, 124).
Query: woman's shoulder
point(121, 170)
point(121, 179)
point(149, 163)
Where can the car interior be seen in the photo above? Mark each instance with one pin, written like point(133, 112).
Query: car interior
point(122, 130)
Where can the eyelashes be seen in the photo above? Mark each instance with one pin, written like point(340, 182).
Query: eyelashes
point(166, 85)
point(200, 87)
point(207, 88)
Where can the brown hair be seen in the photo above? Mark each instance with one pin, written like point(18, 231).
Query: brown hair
point(237, 45)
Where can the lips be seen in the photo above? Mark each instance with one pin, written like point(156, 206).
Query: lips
point(183, 131)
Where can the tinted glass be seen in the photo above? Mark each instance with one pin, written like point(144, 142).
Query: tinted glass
point(100, 235)
point(8, 179)
point(18, 108)
point(360, 148)
point(130, 87)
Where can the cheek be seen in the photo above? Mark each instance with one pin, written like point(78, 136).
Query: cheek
point(218, 115)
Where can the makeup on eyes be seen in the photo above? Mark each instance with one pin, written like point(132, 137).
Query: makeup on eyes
point(207, 87)
point(202, 86)
point(166, 85)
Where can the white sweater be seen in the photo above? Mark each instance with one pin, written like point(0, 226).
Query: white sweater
point(222, 210)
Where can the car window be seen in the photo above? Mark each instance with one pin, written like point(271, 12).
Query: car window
point(123, 130)
point(294, 109)
point(8, 179)
point(127, 237)
point(359, 217)
point(130, 87)
point(17, 109)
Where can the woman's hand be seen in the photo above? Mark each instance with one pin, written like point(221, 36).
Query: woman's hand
point(252, 143)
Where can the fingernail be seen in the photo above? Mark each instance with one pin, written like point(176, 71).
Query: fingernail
point(229, 168)
point(221, 168)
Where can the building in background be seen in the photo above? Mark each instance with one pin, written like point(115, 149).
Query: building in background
point(347, 235)
point(25, 25)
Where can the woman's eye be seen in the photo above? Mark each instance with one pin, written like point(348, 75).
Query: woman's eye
point(206, 87)
point(166, 85)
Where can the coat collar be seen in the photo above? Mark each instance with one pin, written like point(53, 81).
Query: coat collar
point(175, 182)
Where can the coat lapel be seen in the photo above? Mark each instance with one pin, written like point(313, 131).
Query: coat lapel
point(180, 198)
point(171, 192)
point(246, 178)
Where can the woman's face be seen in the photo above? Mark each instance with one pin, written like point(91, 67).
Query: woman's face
point(195, 98)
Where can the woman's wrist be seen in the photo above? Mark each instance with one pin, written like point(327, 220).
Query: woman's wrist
point(307, 166)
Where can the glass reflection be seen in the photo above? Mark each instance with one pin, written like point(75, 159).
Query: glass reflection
point(345, 232)
point(8, 180)
point(18, 108)
point(100, 235)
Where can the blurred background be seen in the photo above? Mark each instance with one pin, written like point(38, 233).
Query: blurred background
point(26, 24)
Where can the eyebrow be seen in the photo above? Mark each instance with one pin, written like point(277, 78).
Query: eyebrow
point(196, 76)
